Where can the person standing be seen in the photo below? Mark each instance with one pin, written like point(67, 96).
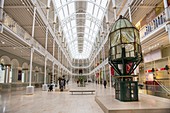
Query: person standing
point(105, 83)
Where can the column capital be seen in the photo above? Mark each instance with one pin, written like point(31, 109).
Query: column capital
point(48, 4)
point(32, 49)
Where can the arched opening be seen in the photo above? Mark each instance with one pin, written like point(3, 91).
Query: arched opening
point(14, 70)
point(25, 69)
point(5, 69)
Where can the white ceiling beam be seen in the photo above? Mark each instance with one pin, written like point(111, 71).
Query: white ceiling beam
point(90, 1)
point(81, 26)
point(83, 39)
point(82, 33)
point(73, 17)
point(17, 7)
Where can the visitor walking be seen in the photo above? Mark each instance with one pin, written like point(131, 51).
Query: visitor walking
point(105, 83)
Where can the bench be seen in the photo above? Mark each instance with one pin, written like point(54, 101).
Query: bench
point(82, 90)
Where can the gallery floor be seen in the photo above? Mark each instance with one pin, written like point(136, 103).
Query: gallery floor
point(56, 101)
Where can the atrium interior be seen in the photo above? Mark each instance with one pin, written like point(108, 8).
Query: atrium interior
point(85, 56)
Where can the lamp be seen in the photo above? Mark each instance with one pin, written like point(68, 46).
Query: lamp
point(125, 54)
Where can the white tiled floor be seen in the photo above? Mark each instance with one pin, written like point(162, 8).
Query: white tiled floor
point(64, 102)
point(52, 102)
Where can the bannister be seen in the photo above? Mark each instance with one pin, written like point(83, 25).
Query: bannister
point(153, 25)
point(38, 46)
point(16, 28)
point(163, 87)
point(10, 23)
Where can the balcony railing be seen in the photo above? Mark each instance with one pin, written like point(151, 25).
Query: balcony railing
point(16, 28)
point(153, 25)
point(157, 90)
point(10, 23)
point(80, 65)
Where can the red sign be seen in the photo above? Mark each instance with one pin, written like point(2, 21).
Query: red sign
point(151, 83)
point(97, 75)
point(128, 66)
point(112, 71)
point(150, 70)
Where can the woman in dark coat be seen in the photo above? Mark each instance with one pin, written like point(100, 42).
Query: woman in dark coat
point(105, 83)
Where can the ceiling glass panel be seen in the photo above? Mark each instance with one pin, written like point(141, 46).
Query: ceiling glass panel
point(86, 30)
point(61, 14)
point(68, 25)
point(73, 23)
point(103, 3)
point(96, 28)
point(58, 3)
point(96, 9)
point(90, 8)
point(65, 11)
point(98, 2)
point(65, 28)
point(92, 25)
point(71, 8)
point(74, 30)
point(100, 14)
point(63, 2)
point(80, 40)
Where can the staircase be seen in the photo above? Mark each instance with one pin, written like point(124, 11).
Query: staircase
point(158, 89)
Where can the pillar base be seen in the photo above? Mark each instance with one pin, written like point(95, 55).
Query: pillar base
point(6, 87)
point(44, 87)
point(30, 90)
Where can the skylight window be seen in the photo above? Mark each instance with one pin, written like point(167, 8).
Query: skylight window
point(98, 2)
point(93, 14)
point(71, 8)
point(90, 8)
point(63, 2)
point(73, 23)
point(74, 30)
point(103, 4)
point(65, 11)
point(100, 14)
point(95, 11)
point(61, 14)
point(86, 30)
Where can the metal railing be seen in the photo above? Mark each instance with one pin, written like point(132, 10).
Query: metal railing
point(153, 25)
point(157, 90)
point(163, 87)
point(10, 23)
point(80, 65)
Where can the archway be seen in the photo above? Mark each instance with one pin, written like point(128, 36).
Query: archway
point(5, 69)
point(25, 68)
point(14, 70)
point(36, 74)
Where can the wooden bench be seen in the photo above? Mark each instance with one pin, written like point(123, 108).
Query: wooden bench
point(82, 90)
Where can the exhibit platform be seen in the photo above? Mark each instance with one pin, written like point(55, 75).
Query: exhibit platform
point(146, 104)
point(58, 90)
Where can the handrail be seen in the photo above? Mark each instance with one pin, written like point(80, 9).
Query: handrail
point(10, 23)
point(163, 87)
point(15, 27)
point(153, 25)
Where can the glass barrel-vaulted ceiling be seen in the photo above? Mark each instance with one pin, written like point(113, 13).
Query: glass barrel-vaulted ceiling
point(80, 21)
